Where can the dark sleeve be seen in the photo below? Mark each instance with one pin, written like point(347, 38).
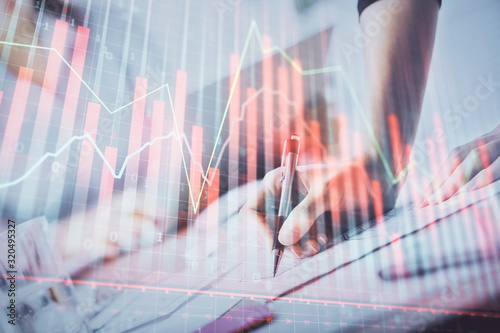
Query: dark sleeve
point(362, 4)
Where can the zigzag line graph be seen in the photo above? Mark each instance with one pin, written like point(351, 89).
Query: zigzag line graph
point(82, 80)
point(253, 30)
point(98, 151)
point(170, 135)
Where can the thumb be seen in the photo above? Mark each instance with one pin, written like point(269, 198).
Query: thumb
point(302, 218)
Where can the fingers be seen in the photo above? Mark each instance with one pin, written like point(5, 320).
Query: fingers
point(259, 212)
point(301, 218)
point(485, 177)
point(467, 169)
point(253, 219)
point(308, 248)
point(296, 250)
point(270, 189)
point(488, 147)
point(454, 160)
point(254, 213)
point(311, 247)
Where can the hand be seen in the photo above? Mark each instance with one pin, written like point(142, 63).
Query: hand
point(123, 230)
point(324, 188)
point(473, 165)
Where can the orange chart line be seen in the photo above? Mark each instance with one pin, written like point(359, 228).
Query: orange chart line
point(211, 293)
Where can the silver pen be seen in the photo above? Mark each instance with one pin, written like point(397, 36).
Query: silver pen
point(288, 168)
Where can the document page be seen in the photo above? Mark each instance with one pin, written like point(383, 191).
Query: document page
point(257, 276)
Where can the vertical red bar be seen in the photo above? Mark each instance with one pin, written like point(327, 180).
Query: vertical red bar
point(180, 99)
point(485, 158)
point(43, 185)
point(267, 84)
point(135, 136)
point(411, 194)
point(298, 99)
point(132, 167)
point(234, 123)
point(195, 169)
point(74, 84)
point(107, 177)
point(484, 217)
point(397, 151)
point(70, 106)
point(251, 115)
point(50, 81)
point(489, 222)
point(175, 167)
point(314, 151)
point(175, 159)
point(415, 195)
point(54, 61)
point(378, 203)
point(136, 125)
point(213, 214)
point(362, 193)
point(195, 184)
point(283, 106)
point(154, 158)
point(233, 170)
point(436, 239)
point(150, 206)
point(105, 195)
point(44, 114)
point(75, 229)
point(16, 114)
point(335, 201)
point(213, 191)
point(86, 154)
point(348, 181)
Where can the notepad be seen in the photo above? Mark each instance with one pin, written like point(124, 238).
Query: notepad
point(253, 279)
point(357, 243)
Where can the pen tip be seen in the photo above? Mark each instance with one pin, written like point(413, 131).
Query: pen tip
point(277, 258)
point(276, 264)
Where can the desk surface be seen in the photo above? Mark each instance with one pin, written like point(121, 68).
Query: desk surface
point(159, 283)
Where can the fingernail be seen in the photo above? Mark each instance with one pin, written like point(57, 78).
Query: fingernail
point(311, 249)
point(295, 253)
point(322, 239)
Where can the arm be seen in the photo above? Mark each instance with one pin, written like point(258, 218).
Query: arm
point(397, 64)
point(397, 61)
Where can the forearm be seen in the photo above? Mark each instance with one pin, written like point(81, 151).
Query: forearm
point(397, 60)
